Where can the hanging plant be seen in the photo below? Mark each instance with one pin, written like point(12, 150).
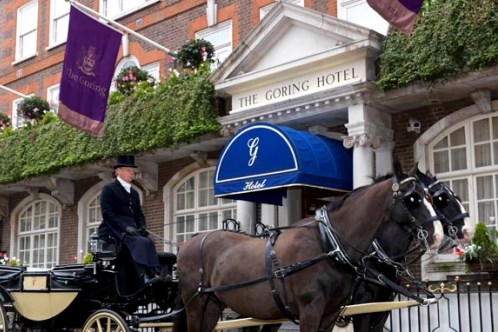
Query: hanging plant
point(33, 108)
point(195, 52)
point(132, 79)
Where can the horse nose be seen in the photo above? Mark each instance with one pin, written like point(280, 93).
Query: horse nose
point(438, 235)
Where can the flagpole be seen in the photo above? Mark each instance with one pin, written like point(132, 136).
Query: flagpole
point(13, 91)
point(128, 30)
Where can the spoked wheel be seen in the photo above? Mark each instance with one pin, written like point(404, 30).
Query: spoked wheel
point(3, 319)
point(105, 320)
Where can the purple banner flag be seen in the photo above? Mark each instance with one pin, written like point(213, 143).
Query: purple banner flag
point(91, 51)
point(401, 14)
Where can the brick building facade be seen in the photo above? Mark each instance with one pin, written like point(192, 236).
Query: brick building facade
point(373, 124)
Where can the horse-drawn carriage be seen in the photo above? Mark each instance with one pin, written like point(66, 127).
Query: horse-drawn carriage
point(305, 272)
point(103, 295)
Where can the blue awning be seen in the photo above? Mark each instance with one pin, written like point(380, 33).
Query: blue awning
point(262, 159)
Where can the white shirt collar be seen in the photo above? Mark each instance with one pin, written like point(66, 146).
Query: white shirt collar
point(125, 184)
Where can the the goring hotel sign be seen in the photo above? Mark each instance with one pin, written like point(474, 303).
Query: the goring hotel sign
point(282, 90)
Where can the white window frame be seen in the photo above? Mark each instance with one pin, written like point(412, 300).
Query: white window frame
point(92, 226)
point(224, 48)
point(264, 10)
point(471, 173)
point(20, 20)
point(55, 19)
point(17, 120)
point(17, 213)
point(221, 207)
point(53, 97)
point(122, 8)
point(153, 69)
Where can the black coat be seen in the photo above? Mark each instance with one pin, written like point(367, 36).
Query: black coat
point(119, 210)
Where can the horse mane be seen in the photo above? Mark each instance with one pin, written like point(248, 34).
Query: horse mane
point(336, 204)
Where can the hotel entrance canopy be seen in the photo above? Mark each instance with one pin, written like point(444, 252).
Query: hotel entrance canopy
point(262, 160)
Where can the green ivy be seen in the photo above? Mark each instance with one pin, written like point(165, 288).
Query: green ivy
point(176, 113)
point(450, 36)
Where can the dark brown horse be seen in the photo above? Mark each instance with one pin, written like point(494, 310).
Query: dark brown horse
point(456, 224)
point(226, 269)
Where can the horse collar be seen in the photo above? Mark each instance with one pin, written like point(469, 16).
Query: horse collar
point(330, 241)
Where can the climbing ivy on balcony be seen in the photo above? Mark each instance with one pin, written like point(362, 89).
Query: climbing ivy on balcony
point(181, 110)
point(451, 36)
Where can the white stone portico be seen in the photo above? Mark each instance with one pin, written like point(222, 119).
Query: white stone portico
point(309, 71)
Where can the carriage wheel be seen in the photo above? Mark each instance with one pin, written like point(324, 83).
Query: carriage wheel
point(3, 319)
point(105, 320)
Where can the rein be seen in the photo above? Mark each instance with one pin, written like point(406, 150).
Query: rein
point(279, 273)
point(401, 271)
point(334, 249)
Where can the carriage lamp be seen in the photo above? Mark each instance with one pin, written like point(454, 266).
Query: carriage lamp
point(94, 243)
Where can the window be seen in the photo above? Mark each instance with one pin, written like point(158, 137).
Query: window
point(53, 97)
point(153, 70)
point(27, 22)
point(466, 158)
point(37, 235)
point(196, 208)
point(359, 12)
point(93, 218)
point(59, 21)
point(220, 36)
point(117, 8)
point(17, 120)
point(264, 10)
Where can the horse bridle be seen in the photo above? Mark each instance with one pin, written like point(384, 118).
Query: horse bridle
point(437, 195)
point(412, 227)
point(401, 268)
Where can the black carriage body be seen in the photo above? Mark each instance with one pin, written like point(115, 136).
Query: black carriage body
point(67, 295)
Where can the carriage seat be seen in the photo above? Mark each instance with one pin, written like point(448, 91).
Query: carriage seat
point(10, 276)
point(167, 263)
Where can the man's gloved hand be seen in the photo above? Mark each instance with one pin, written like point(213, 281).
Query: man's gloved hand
point(143, 231)
point(130, 230)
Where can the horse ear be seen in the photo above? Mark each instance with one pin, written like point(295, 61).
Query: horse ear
point(429, 174)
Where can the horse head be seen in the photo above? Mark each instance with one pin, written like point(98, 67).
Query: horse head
point(412, 209)
point(449, 207)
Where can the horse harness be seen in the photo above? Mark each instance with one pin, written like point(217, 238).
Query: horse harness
point(440, 195)
point(274, 271)
point(333, 248)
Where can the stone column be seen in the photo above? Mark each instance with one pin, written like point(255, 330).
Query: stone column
point(269, 215)
point(384, 159)
point(246, 215)
point(367, 128)
point(291, 210)
point(363, 159)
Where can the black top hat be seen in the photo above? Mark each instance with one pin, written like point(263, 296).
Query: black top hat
point(125, 161)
